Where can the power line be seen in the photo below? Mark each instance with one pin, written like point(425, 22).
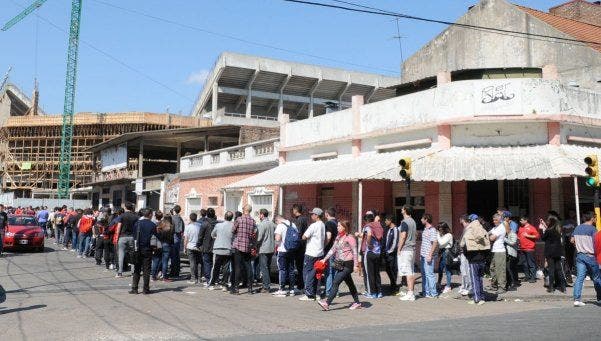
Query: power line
point(372, 10)
point(242, 40)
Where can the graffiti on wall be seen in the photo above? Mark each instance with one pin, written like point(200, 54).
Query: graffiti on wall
point(495, 93)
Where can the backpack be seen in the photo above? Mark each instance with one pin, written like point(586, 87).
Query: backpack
point(86, 224)
point(58, 220)
point(293, 239)
point(454, 256)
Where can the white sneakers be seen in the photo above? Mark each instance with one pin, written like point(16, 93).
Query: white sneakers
point(292, 292)
point(407, 297)
point(446, 290)
point(306, 298)
point(281, 293)
point(579, 304)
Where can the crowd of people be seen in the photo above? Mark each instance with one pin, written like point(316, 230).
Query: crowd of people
point(315, 252)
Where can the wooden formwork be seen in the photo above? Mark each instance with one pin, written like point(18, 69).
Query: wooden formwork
point(30, 145)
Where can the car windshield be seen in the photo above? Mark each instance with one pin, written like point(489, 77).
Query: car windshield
point(22, 221)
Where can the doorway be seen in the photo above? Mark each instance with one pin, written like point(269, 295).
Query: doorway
point(482, 198)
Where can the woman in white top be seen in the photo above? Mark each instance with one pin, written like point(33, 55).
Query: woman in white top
point(445, 243)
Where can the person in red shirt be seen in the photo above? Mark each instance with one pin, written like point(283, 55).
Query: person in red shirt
point(527, 235)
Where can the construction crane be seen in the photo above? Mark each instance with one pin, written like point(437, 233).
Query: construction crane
point(64, 179)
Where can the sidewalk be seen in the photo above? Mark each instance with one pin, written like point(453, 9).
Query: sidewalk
point(527, 292)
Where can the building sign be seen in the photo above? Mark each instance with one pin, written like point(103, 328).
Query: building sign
point(114, 158)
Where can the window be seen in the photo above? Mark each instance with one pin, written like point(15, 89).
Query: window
point(259, 202)
point(193, 205)
point(213, 201)
point(233, 202)
point(117, 198)
point(106, 190)
point(517, 196)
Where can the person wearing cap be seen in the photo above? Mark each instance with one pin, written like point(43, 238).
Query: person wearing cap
point(506, 215)
point(315, 237)
point(476, 246)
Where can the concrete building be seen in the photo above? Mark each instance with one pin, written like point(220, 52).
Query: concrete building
point(470, 53)
point(476, 143)
point(251, 90)
point(203, 177)
point(141, 167)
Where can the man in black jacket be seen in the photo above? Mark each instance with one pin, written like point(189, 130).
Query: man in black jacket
point(143, 231)
point(205, 244)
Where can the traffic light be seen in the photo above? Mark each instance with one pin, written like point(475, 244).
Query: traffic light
point(592, 170)
point(405, 164)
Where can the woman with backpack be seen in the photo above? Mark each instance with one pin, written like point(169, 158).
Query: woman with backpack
point(344, 251)
point(445, 243)
point(161, 256)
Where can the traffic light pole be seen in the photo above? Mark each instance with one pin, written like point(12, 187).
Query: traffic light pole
point(408, 196)
point(597, 209)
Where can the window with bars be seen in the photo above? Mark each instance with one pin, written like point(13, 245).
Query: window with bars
point(259, 202)
point(193, 205)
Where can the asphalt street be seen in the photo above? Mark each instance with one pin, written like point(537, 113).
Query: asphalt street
point(56, 296)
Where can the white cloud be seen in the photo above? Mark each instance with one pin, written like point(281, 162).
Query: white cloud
point(198, 77)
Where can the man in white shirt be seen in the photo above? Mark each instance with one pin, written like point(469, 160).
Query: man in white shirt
point(285, 258)
point(315, 237)
point(194, 255)
point(498, 265)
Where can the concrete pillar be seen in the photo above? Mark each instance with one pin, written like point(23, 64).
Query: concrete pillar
point(557, 202)
point(311, 106)
point(162, 196)
point(281, 200)
point(445, 203)
point(141, 160)
point(214, 98)
point(356, 147)
point(249, 103)
point(282, 157)
point(357, 102)
point(281, 105)
point(550, 72)
point(444, 136)
point(554, 133)
point(179, 157)
point(443, 77)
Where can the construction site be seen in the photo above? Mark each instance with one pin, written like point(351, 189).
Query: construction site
point(30, 143)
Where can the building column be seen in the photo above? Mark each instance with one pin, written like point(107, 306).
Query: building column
point(162, 196)
point(444, 136)
point(554, 133)
point(357, 103)
point(359, 204)
point(281, 201)
point(557, 202)
point(141, 160)
point(214, 99)
point(179, 157)
point(443, 77)
point(445, 203)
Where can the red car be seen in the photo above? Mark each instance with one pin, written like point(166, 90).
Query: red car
point(23, 232)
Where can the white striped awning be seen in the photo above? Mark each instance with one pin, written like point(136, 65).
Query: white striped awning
point(453, 164)
point(497, 163)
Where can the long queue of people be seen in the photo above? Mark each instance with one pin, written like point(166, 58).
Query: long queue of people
point(315, 252)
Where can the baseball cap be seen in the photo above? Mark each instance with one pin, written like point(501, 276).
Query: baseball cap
point(473, 217)
point(506, 214)
point(317, 211)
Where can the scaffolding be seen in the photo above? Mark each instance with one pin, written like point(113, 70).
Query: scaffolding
point(30, 145)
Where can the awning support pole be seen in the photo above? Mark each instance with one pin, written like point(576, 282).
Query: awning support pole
point(281, 201)
point(576, 197)
point(359, 205)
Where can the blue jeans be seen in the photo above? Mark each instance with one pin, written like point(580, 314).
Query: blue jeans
point(586, 264)
point(286, 269)
point(442, 267)
point(330, 274)
point(264, 263)
point(163, 258)
point(428, 279)
point(43, 227)
point(207, 267)
point(84, 244)
point(74, 234)
point(174, 251)
point(309, 275)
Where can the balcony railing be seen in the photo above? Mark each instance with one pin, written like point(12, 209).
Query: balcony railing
point(261, 151)
point(116, 174)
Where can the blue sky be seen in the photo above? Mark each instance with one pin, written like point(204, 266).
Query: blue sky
point(180, 58)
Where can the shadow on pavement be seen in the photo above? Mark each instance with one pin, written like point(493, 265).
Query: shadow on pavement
point(2, 294)
point(14, 310)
